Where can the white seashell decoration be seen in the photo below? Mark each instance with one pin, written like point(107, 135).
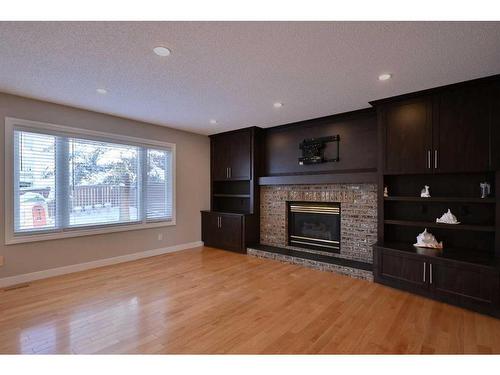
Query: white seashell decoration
point(425, 192)
point(448, 218)
point(426, 239)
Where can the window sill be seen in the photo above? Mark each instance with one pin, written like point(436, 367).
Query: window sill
point(11, 240)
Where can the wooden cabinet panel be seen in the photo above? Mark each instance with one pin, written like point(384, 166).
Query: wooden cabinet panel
point(209, 228)
point(461, 129)
point(447, 130)
point(468, 285)
point(240, 150)
point(464, 284)
point(221, 157)
point(231, 156)
point(408, 136)
point(358, 144)
point(495, 126)
point(223, 231)
point(402, 269)
point(231, 229)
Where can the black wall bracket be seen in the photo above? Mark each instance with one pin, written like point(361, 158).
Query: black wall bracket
point(313, 150)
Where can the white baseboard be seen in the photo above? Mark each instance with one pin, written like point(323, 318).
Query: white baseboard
point(27, 277)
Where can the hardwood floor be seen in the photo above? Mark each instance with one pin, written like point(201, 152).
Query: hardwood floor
point(211, 301)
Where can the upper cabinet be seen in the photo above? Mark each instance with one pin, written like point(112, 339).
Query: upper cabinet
point(461, 135)
point(231, 156)
point(495, 127)
point(446, 130)
point(408, 136)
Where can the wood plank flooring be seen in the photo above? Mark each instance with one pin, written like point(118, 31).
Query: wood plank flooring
point(212, 301)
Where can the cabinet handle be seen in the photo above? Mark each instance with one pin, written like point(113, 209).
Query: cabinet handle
point(425, 266)
point(230, 172)
point(430, 273)
point(227, 172)
point(428, 159)
point(435, 159)
point(220, 221)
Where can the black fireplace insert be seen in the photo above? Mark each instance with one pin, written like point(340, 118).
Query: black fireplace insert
point(314, 225)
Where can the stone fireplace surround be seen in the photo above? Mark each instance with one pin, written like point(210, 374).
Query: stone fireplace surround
point(358, 204)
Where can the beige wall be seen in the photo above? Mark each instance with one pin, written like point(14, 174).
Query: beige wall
point(192, 172)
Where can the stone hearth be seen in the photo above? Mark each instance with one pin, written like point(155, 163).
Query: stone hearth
point(358, 204)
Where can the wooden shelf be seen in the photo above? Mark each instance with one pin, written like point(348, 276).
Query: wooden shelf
point(430, 224)
point(232, 195)
point(351, 177)
point(441, 199)
point(460, 255)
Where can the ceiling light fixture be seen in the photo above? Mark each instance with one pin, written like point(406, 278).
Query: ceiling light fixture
point(162, 51)
point(101, 91)
point(384, 76)
point(213, 122)
point(278, 105)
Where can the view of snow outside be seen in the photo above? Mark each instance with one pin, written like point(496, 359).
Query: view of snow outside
point(103, 184)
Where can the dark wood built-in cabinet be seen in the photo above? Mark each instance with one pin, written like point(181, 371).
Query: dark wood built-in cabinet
point(232, 223)
point(223, 230)
point(474, 284)
point(408, 135)
point(447, 138)
point(461, 129)
point(232, 156)
point(447, 130)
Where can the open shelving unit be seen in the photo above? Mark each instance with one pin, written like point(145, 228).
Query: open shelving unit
point(487, 200)
point(232, 196)
point(420, 224)
point(406, 214)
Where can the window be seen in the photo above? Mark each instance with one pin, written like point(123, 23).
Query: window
point(65, 182)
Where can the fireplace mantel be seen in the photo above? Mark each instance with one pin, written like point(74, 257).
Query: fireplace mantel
point(344, 177)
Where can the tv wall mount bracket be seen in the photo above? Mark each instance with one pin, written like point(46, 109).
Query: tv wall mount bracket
point(313, 150)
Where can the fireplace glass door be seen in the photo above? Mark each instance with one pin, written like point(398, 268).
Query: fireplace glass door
point(314, 225)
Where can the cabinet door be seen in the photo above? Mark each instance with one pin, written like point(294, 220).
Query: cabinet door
point(210, 229)
point(461, 129)
point(240, 149)
point(231, 232)
point(408, 136)
point(404, 271)
point(221, 156)
point(495, 126)
point(464, 284)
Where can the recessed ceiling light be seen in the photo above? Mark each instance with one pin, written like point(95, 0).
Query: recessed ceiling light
point(162, 51)
point(101, 91)
point(278, 105)
point(384, 76)
point(213, 122)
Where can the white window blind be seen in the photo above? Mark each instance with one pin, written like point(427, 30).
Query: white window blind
point(103, 183)
point(158, 196)
point(62, 182)
point(35, 181)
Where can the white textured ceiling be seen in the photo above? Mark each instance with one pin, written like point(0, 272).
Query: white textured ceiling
point(235, 71)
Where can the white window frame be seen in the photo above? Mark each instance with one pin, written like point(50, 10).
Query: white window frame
point(12, 123)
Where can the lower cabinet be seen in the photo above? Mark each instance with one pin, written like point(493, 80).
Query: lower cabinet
point(465, 285)
point(402, 269)
point(223, 230)
point(472, 286)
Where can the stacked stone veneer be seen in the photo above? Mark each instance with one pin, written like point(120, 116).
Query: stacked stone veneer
point(358, 207)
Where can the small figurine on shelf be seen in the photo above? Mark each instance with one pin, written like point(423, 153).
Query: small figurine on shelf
point(386, 192)
point(425, 192)
point(485, 189)
point(447, 218)
point(426, 239)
